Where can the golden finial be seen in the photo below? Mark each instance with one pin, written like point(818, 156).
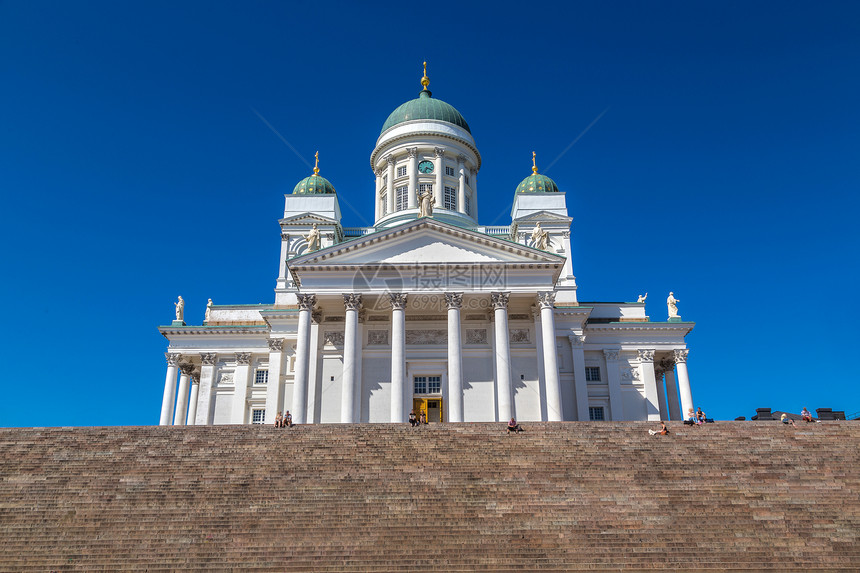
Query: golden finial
point(317, 164)
point(534, 163)
point(425, 81)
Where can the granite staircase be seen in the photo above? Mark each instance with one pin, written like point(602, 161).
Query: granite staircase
point(602, 496)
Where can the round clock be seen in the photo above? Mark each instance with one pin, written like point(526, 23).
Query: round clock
point(425, 167)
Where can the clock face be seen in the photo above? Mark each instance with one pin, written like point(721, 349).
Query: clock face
point(425, 167)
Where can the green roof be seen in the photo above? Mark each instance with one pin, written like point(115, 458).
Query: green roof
point(425, 107)
point(537, 183)
point(314, 185)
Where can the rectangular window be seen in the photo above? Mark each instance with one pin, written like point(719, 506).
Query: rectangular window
point(449, 171)
point(428, 384)
point(592, 374)
point(468, 205)
point(401, 171)
point(595, 414)
point(261, 377)
point(385, 181)
point(450, 198)
point(401, 198)
point(422, 187)
point(467, 180)
point(258, 416)
point(384, 199)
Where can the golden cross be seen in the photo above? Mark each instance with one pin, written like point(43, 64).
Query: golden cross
point(425, 81)
point(317, 165)
point(534, 162)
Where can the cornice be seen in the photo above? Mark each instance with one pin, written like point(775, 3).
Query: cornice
point(168, 331)
point(388, 143)
point(684, 327)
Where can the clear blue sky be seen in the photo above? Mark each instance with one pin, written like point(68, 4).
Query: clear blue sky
point(133, 168)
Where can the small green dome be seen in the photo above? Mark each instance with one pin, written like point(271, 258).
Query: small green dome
point(314, 185)
point(537, 183)
point(425, 107)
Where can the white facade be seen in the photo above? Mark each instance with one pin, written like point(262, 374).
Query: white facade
point(466, 322)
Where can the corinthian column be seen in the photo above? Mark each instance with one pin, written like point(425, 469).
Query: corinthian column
point(461, 187)
point(579, 383)
point(241, 379)
point(668, 365)
point(554, 409)
point(646, 369)
point(389, 190)
point(169, 397)
point(300, 385)
point(503, 355)
point(439, 167)
point(204, 397)
point(398, 356)
point(683, 381)
point(454, 300)
point(412, 201)
point(274, 388)
point(185, 371)
point(352, 304)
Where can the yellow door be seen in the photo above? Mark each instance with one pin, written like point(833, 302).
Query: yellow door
point(419, 405)
point(430, 407)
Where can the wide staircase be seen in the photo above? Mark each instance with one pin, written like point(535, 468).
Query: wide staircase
point(734, 496)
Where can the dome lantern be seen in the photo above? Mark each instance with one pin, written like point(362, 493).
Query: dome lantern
point(315, 184)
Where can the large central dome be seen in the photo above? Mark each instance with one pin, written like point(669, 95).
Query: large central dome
point(425, 107)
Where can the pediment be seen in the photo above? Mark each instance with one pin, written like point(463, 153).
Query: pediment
point(543, 217)
point(425, 242)
point(307, 219)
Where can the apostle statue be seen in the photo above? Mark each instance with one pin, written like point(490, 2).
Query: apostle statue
point(540, 238)
point(642, 297)
point(672, 303)
point(180, 308)
point(426, 202)
point(208, 310)
point(313, 239)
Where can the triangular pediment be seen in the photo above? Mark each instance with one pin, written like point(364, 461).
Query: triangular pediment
point(307, 219)
point(543, 217)
point(425, 242)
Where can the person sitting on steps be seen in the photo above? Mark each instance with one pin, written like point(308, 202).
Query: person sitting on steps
point(663, 431)
point(279, 420)
point(691, 418)
point(700, 416)
point(786, 420)
point(422, 419)
point(514, 427)
point(288, 420)
point(805, 415)
point(413, 421)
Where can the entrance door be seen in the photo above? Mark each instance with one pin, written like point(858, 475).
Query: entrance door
point(431, 407)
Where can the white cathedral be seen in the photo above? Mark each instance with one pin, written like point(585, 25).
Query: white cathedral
point(427, 310)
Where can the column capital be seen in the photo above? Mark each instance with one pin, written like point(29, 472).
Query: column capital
point(390, 159)
point(439, 151)
point(186, 369)
point(461, 158)
point(316, 316)
point(454, 300)
point(352, 301)
point(380, 172)
point(195, 377)
point(413, 152)
point(681, 355)
point(243, 358)
point(546, 299)
point(306, 301)
point(398, 300)
point(667, 363)
point(576, 340)
point(611, 353)
point(646, 355)
point(500, 299)
point(275, 344)
point(173, 358)
point(208, 358)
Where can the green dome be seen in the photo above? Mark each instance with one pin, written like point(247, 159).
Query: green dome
point(314, 185)
point(537, 183)
point(425, 107)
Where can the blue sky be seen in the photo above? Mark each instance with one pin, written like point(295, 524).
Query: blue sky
point(134, 167)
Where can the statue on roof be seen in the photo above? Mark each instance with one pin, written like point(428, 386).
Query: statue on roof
point(672, 303)
point(426, 202)
point(540, 238)
point(313, 239)
point(180, 308)
point(208, 311)
point(642, 297)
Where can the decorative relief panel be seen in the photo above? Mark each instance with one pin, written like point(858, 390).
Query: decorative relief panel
point(226, 378)
point(426, 337)
point(377, 337)
point(476, 336)
point(519, 335)
point(630, 375)
point(519, 317)
point(334, 338)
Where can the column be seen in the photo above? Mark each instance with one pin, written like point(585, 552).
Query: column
point(300, 384)
point(192, 402)
point(646, 369)
point(475, 194)
point(398, 355)
point(169, 388)
point(672, 389)
point(503, 354)
point(616, 404)
point(207, 380)
point(413, 178)
point(577, 349)
point(352, 304)
point(378, 203)
point(182, 400)
point(539, 359)
point(661, 393)
point(454, 300)
point(241, 379)
point(554, 410)
point(683, 380)
point(461, 190)
point(275, 388)
point(439, 167)
point(390, 188)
